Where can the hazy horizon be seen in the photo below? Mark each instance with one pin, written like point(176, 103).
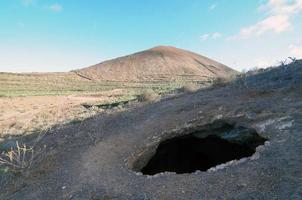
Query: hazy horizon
point(59, 36)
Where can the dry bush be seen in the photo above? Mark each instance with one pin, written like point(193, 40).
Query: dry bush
point(189, 87)
point(148, 95)
point(219, 81)
point(19, 158)
point(222, 81)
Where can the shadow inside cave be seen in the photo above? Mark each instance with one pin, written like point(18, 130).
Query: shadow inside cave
point(189, 153)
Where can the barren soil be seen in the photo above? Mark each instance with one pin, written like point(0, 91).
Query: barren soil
point(96, 159)
point(158, 64)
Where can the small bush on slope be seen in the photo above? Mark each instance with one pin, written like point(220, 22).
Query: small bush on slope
point(148, 96)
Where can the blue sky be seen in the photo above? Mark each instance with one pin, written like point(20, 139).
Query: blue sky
point(60, 35)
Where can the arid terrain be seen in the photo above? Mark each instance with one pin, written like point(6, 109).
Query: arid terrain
point(160, 63)
point(33, 102)
point(250, 129)
point(150, 100)
point(102, 134)
point(21, 115)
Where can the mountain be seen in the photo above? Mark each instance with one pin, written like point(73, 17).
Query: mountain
point(156, 64)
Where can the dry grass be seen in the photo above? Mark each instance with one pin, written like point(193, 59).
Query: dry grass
point(19, 158)
point(35, 102)
point(189, 88)
point(46, 84)
point(37, 84)
point(222, 81)
point(148, 96)
point(25, 115)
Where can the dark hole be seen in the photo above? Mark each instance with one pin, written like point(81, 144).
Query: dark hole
point(189, 153)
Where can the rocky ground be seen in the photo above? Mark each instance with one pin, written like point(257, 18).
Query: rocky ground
point(99, 157)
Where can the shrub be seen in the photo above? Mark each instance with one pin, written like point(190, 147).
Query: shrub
point(148, 95)
point(219, 81)
point(189, 87)
point(19, 158)
point(222, 81)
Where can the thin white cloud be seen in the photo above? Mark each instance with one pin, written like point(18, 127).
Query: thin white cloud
point(208, 36)
point(295, 51)
point(280, 13)
point(56, 7)
point(265, 62)
point(275, 24)
point(204, 37)
point(276, 7)
point(216, 35)
point(213, 6)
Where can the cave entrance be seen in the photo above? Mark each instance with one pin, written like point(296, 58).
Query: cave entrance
point(203, 150)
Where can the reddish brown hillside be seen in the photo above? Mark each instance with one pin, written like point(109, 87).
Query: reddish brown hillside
point(159, 63)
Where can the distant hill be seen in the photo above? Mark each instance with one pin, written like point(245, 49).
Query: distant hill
point(157, 64)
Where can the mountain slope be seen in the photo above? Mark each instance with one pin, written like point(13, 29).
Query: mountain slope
point(159, 63)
